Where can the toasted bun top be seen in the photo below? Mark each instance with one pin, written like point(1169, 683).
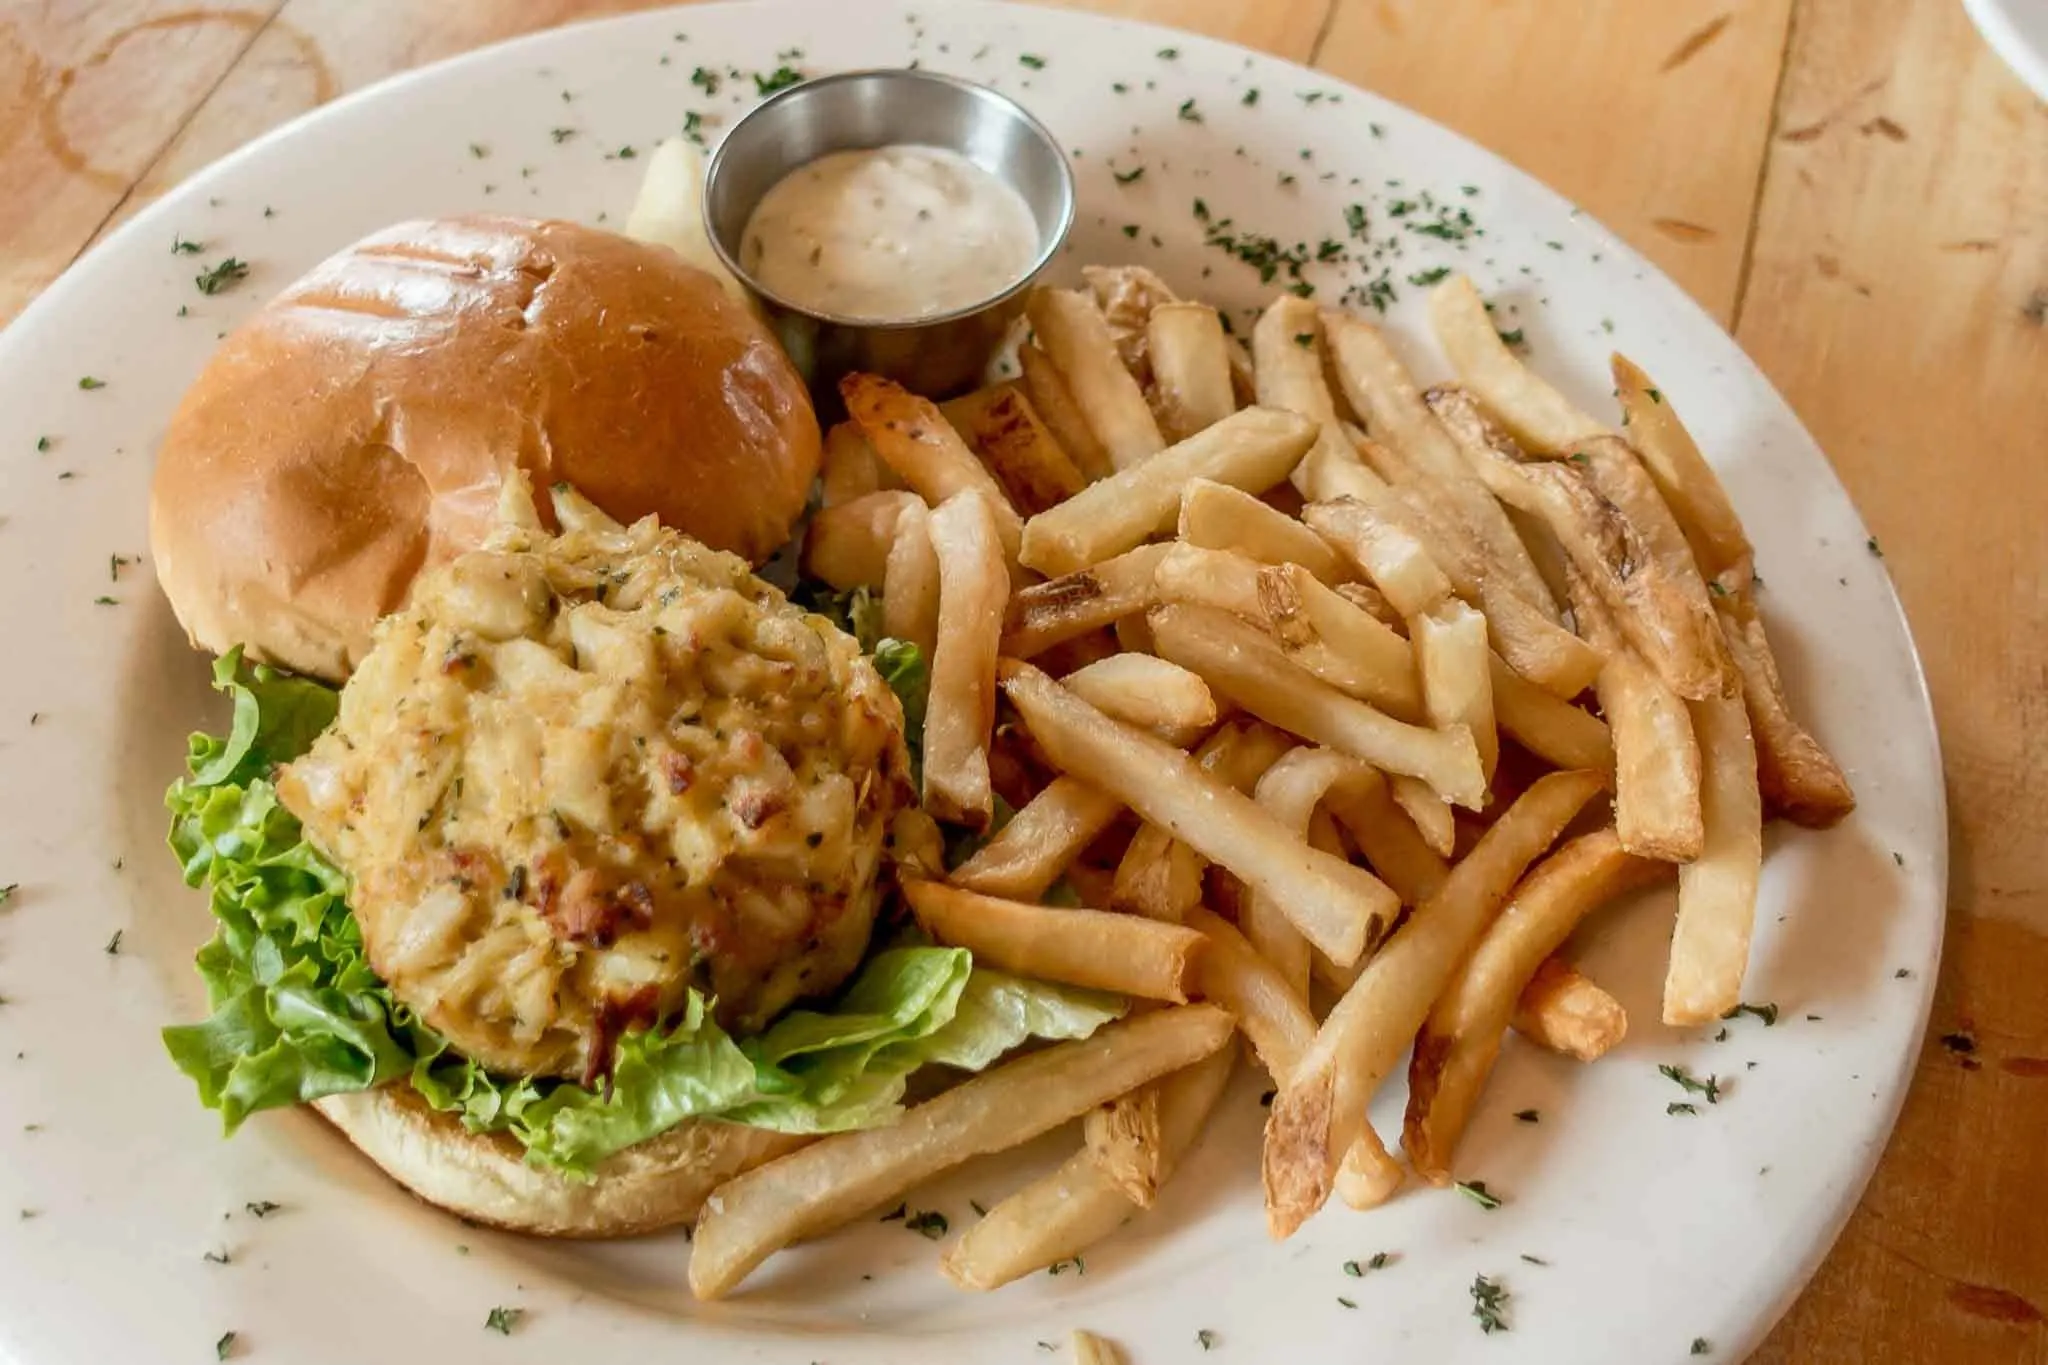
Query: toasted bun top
point(360, 426)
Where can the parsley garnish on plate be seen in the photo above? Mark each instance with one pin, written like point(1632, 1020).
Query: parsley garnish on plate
point(225, 1346)
point(927, 1222)
point(1205, 1338)
point(1251, 97)
point(1701, 1347)
point(1489, 1304)
point(1036, 63)
point(113, 947)
point(503, 1320)
point(1528, 1116)
point(105, 601)
point(1169, 54)
point(1535, 1260)
point(182, 247)
point(1077, 1265)
point(1476, 1191)
point(1424, 278)
point(1766, 1012)
point(1691, 1084)
point(262, 1208)
point(897, 1214)
point(221, 277)
point(88, 383)
point(1129, 177)
point(1188, 112)
point(1513, 338)
point(1680, 1107)
point(781, 78)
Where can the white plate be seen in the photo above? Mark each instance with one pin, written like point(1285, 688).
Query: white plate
point(1651, 1229)
point(2018, 32)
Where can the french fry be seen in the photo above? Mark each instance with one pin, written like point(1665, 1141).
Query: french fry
point(1252, 450)
point(1291, 790)
point(1092, 948)
point(1072, 330)
point(1391, 843)
point(1457, 683)
point(1663, 612)
point(1533, 645)
point(1090, 1349)
point(1320, 1110)
point(1387, 553)
point(1717, 890)
point(1128, 295)
point(910, 582)
point(1540, 417)
point(1426, 811)
point(914, 438)
point(1372, 602)
point(848, 544)
point(1070, 606)
point(1555, 731)
point(1190, 368)
point(1287, 367)
point(1565, 1012)
point(1337, 906)
point(1020, 451)
point(1456, 1049)
point(1380, 388)
point(1321, 632)
point(1055, 405)
point(1687, 482)
point(1368, 1176)
point(1158, 877)
point(850, 468)
point(1273, 1016)
point(831, 1181)
point(1215, 516)
point(1078, 1205)
point(1028, 854)
point(1657, 805)
point(1616, 472)
point(960, 712)
point(1143, 690)
point(1241, 664)
point(1799, 778)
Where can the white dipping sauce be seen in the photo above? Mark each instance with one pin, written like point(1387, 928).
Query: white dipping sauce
point(889, 233)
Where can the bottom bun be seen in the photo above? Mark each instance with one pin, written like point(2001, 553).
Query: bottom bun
point(484, 1177)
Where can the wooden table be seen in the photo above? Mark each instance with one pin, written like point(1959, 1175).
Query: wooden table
point(1855, 188)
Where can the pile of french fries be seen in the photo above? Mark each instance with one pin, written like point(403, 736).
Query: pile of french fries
point(1336, 702)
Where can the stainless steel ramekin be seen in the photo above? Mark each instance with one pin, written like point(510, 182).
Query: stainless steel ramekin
point(937, 354)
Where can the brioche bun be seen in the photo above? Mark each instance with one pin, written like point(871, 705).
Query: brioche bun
point(362, 424)
point(656, 1184)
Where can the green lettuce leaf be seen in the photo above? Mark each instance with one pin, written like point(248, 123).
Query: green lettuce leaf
point(297, 1011)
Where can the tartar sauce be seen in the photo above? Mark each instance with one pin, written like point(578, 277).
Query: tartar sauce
point(889, 234)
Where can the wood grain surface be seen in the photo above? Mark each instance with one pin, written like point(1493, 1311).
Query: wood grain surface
point(1856, 187)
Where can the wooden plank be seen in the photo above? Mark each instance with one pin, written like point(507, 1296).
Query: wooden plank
point(1899, 298)
point(74, 131)
point(1652, 117)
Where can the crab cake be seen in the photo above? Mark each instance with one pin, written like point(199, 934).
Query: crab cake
point(581, 775)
